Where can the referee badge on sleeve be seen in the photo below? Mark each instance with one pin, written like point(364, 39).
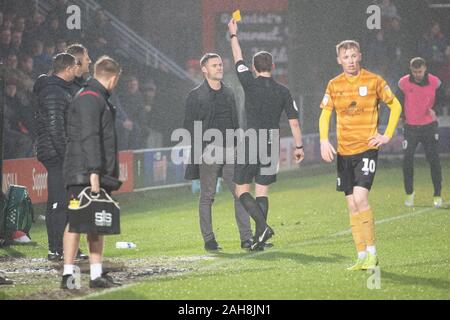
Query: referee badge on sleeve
point(242, 68)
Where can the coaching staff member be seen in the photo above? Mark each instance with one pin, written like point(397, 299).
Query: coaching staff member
point(91, 160)
point(83, 61)
point(421, 94)
point(53, 99)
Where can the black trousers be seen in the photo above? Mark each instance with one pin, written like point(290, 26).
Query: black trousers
point(428, 136)
point(56, 217)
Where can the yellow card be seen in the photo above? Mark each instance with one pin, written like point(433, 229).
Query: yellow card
point(237, 15)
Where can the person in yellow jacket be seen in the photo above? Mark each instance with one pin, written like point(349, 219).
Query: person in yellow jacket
point(355, 96)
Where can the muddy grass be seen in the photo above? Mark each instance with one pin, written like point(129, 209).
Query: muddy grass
point(39, 279)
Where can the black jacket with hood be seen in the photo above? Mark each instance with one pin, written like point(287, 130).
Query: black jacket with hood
point(53, 97)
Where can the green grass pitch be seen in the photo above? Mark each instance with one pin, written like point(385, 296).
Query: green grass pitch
point(313, 245)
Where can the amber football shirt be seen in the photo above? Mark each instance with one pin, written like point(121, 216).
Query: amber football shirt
point(356, 101)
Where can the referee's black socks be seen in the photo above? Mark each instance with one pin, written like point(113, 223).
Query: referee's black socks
point(263, 203)
point(254, 210)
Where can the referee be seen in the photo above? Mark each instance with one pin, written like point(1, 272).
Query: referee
point(265, 100)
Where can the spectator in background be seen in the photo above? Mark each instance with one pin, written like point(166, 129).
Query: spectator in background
point(26, 76)
point(10, 66)
point(444, 71)
point(19, 24)
point(12, 61)
point(101, 35)
point(1, 18)
point(59, 11)
point(444, 74)
point(388, 9)
point(41, 61)
point(7, 21)
point(18, 124)
point(133, 104)
point(193, 69)
point(378, 58)
point(36, 30)
point(49, 50)
point(99, 47)
point(432, 46)
point(61, 46)
point(102, 28)
point(151, 118)
point(397, 55)
point(16, 41)
point(53, 28)
point(5, 43)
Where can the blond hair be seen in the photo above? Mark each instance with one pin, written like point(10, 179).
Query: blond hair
point(107, 67)
point(347, 44)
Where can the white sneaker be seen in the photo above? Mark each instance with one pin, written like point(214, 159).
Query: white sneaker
point(437, 202)
point(409, 202)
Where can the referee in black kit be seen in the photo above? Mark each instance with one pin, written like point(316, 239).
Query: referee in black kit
point(265, 100)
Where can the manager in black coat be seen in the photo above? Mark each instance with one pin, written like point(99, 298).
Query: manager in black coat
point(213, 105)
point(53, 96)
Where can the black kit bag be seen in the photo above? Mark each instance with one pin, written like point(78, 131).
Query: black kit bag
point(94, 214)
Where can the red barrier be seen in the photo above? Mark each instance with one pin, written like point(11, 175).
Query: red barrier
point(33, 175)
point(126, 171)
point(29, 173)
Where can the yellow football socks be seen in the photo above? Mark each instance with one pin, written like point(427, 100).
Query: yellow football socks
point(357, 232)
point(367, 227)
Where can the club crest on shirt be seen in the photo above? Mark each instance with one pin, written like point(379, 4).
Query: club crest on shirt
point(363, 91)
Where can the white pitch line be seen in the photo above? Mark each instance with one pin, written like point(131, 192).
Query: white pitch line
point(255, 254)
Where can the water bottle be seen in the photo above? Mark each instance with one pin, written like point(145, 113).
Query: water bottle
point(125, 245)
point(219, 185)
point(195, 186)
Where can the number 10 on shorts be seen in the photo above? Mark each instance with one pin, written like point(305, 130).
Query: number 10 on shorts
point(369, 166)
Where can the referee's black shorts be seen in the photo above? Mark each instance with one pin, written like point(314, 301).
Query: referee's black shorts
point(247, 173)
point(356, 171)
point(253, 168)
